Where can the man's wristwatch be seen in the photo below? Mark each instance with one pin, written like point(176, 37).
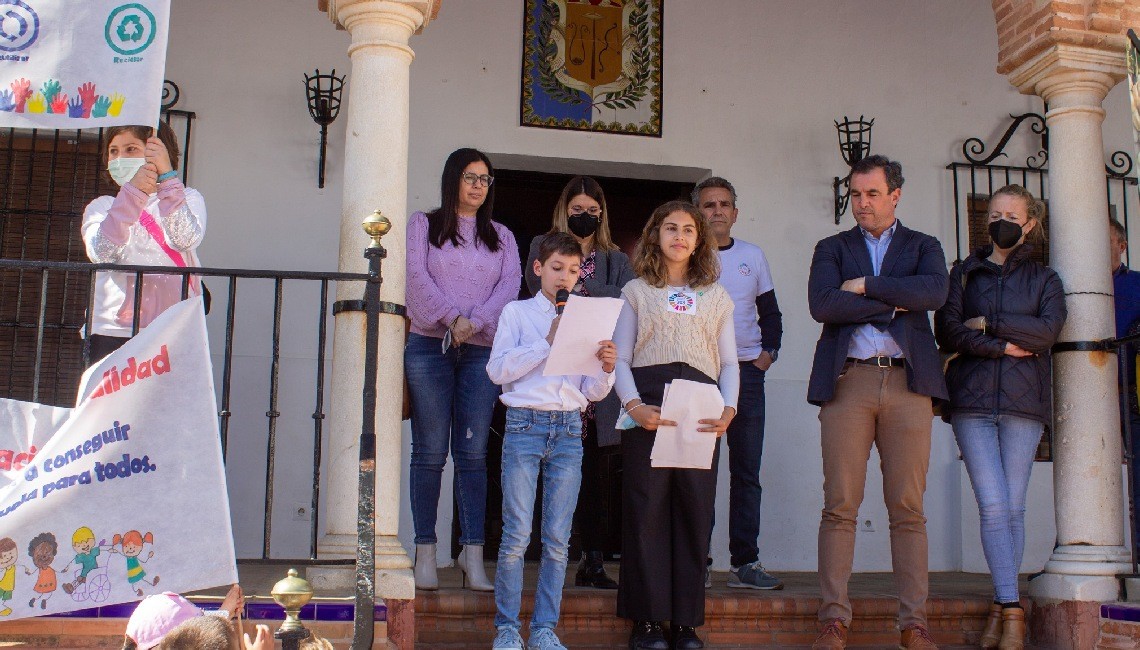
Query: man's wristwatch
point(772, 352)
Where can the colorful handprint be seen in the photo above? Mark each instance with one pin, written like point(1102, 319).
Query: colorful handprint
point(37, 104)
point(6, 101)
point(21, 90)
point(59, 104)
point(101, 105)
point(75, 107)
point(50, 89)
point(116, 104)
point(87, 94)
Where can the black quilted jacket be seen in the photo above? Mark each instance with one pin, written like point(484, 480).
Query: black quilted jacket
point(1024, 304)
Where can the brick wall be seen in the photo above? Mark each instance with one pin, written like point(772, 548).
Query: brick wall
point(1026, 28)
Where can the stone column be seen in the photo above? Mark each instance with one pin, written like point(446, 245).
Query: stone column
point(375, 177)
point(1086, 428)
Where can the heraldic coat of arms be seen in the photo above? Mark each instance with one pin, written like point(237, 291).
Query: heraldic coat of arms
point(593, 65)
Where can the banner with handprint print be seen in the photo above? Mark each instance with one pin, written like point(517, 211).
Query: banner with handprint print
point(67, 64)
point(124, 495)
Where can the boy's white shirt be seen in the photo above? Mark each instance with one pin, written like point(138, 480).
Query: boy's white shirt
point(519, 355)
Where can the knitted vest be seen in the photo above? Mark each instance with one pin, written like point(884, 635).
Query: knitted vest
point(664, 336)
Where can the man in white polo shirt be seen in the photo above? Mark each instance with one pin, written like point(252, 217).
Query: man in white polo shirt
point(759, 325)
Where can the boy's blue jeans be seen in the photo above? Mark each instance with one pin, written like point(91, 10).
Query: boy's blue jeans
point(999, 453)
point(550, 441)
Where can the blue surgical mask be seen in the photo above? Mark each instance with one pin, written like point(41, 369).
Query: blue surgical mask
point(123, 169)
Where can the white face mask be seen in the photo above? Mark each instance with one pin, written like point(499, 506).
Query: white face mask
point(124, 169)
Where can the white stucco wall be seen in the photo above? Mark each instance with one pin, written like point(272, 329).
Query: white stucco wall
point(750, 92)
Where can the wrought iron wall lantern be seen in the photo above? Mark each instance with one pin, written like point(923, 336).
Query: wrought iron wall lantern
point(323, 92)
point(854, 145)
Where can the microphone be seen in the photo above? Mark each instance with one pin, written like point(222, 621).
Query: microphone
point(560, 299)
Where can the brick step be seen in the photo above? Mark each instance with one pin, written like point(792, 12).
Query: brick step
point(735, 618)
point(485, 644)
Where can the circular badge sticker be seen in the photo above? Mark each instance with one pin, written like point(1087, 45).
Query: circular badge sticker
point(681, 302)
point(130, 29)
point(19, 26)
point(744, 269)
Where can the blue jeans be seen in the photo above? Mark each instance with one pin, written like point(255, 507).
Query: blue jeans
point(453, 400)
point(534, 440)
point(999, 456)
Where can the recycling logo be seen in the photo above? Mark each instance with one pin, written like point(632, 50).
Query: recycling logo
point(130, 28)
point(19, 26)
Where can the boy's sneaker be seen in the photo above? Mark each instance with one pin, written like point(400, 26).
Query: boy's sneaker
point(508, 638)
point(752, 576)
point(544, 638)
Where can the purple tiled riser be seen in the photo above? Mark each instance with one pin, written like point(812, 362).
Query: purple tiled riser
point(331, 612)
point(1120, 612)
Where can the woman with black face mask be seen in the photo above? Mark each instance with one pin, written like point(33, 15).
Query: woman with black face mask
point(1002, 316)
point(581, 211)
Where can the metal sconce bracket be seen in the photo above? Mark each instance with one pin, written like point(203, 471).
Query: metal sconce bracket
point(854, 145)
point(323, 92)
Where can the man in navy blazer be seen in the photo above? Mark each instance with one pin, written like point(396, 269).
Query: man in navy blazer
point(875, 373)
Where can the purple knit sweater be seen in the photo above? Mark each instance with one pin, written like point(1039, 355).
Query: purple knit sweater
point(467, 280)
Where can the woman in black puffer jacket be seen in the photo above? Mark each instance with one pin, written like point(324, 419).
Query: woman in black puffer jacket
point(1002, 316)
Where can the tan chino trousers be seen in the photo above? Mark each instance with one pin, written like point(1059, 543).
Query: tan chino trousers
point(872, 405)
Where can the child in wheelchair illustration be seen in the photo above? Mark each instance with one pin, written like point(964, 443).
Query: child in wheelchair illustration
point(90, 580)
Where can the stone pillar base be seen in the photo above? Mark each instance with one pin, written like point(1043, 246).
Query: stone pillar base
point(1065, 625)
point(1082, 560)
point(394, 578)
point(1055, 588)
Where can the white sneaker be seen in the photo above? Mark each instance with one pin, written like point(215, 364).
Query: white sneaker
point(508, 638)
point(544, 638)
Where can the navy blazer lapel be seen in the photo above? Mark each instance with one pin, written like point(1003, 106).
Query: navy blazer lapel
point(857, 246)
point(899, 241)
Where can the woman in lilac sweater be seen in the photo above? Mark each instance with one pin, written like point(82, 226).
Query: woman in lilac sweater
point(463, 269)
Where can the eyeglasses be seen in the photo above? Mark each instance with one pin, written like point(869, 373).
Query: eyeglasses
point(474, 180)
point(594, 212)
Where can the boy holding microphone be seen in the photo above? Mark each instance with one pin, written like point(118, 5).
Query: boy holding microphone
point(543, 432)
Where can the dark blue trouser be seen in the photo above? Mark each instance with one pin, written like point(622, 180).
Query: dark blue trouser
point(1134, 425)
point(745, 448)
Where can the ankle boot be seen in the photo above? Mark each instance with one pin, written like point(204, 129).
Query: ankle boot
point(592, 572)
point(470, 562)
point(425, 574)
point(1012, 629)
point(991, 635)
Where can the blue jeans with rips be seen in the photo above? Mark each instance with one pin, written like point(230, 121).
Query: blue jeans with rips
point(453, 401)
point(999, 452)
point(550, 441)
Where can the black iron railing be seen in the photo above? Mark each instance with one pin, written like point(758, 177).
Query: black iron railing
point(976, 177)
point(267, 325)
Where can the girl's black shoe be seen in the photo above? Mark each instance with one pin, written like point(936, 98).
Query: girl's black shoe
point(592, 573)
point(647, 635)
point(685, 638)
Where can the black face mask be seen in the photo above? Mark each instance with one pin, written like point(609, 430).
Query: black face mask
point(1005, 233)
point(582, 224)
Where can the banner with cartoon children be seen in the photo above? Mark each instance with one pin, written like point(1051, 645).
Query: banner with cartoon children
point(69, 64)
point(125, 495)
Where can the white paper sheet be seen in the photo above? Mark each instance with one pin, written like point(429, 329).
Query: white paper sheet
point(686, 402)
point(585, 321)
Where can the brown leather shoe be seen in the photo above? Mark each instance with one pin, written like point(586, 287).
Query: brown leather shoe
point(916, 637)
point(833, 635)
point(1012, 629)
point(991, 636)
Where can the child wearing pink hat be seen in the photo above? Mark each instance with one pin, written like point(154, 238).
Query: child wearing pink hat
point(156, 616)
